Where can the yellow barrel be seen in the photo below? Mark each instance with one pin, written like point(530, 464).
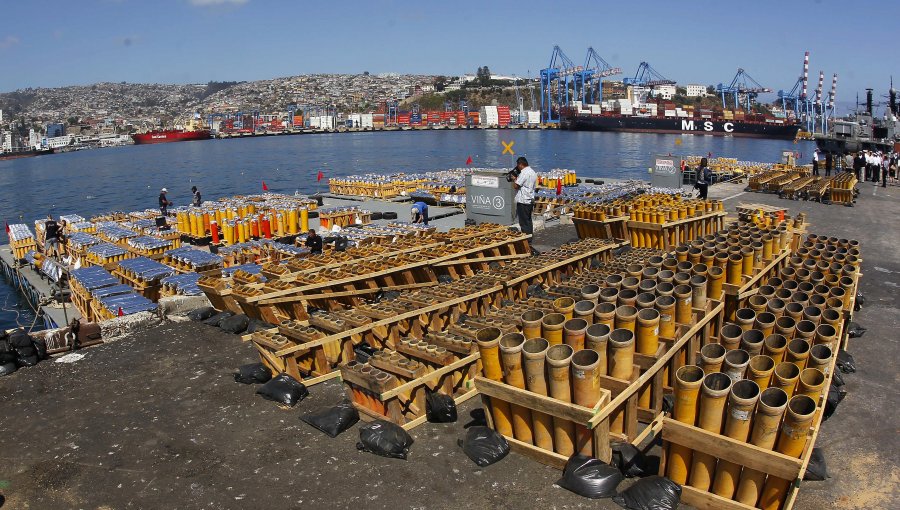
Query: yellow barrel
point(304, 220)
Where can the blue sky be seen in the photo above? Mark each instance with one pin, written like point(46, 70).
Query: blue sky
point(61, 42)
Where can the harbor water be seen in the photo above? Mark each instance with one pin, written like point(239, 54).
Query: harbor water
point(129, 178)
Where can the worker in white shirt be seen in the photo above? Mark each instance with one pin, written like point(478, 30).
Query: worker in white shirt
point(815, 162)
point(524, 179)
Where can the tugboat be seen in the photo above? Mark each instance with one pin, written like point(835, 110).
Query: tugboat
point(192, 131)
point(863, 131)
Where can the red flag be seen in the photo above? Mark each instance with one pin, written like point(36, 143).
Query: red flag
point(469, 160)
point(319, 177)
point(265, 188)
point(7, 228)
point(121, 312)
point(558, 187)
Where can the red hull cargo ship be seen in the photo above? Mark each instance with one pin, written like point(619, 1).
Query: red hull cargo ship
point(170, 135)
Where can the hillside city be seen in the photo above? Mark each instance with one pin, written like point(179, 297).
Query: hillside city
point(108, 113)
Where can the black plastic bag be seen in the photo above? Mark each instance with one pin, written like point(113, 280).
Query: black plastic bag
point(19, 339)
point(845, 362)
point(385, 439)
point(284, 389)
point(217, 319)
point(7, 353)
point(535, 290)
point(651, 493)
point(27, 361)
point(479, 419)
point(40, 347)
point(630, 461)
point(7, 368)
point(589, 477)
point(445, 278)
point(236, 324)
point(860, 301)
point(252, 373)
point(440, 408)
point(816, 470)
point(258, 325)
point(668, 405)
point(201, 314)
point(835, 395)
point(484, 446)
point(855, 330)
point(333, 420)
point(837, 379)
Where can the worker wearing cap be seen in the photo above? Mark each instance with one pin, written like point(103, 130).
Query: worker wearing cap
point(164, 202)
point(419, 213)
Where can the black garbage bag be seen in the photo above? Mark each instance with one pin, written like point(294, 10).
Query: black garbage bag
point(855, 330)
point(7, 353)
point(445, 278)
point(217, 319)
point(201, 314)
point(363, 352)
point(484, 446)
point(26, 354)
point(589, 477)
point(40, 347)
point(385, 439)
point(629, 459)
point(816, 471)
point(479, 419)
point(837, 379)
point(258, 325)
point(845, 362)
point(651, 493)
point(333, 420)
point(284, 389)
point(835, 395)
point(252, 373)
point(19, 339)
point(236, 324)
point(7, 368)
point(440, 408)
point(860, 301)
point(27, 361)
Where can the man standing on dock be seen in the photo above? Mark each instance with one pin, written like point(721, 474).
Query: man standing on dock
point(51, 237)
point(829, 162)
point(525, 183)
point(815, 162)
point(197, 200)
point(164, 202)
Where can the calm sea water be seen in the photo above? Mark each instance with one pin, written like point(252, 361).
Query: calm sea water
point(129, 178)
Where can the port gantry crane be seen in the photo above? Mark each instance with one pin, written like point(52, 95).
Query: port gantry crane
point(559, 85)
point(644, 79)
point(595, 68)
point(742, 86)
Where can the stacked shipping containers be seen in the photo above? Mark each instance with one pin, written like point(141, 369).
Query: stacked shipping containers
point(503, 116)
point(489, 116)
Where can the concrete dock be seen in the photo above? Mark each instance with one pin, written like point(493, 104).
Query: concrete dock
point(156, 420)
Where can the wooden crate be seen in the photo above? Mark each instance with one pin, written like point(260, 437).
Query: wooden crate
point(579, 415)
point(609, 228)
point(743, 454)
point(403, 401)
point(666, 236)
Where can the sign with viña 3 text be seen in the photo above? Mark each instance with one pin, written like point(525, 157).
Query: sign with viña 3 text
point(490, 198)
point(666, 172)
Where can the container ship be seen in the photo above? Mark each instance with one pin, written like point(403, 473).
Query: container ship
point(675, 120)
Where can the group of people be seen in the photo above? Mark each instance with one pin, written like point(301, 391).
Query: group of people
point(164, 201)
point(873, 166)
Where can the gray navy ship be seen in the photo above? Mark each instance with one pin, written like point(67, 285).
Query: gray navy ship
point(863, 130)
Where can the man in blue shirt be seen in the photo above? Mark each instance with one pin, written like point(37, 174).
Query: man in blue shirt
point(419, 213)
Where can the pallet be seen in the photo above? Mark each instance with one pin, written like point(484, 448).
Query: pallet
point(666, 236)
point(609, 228)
